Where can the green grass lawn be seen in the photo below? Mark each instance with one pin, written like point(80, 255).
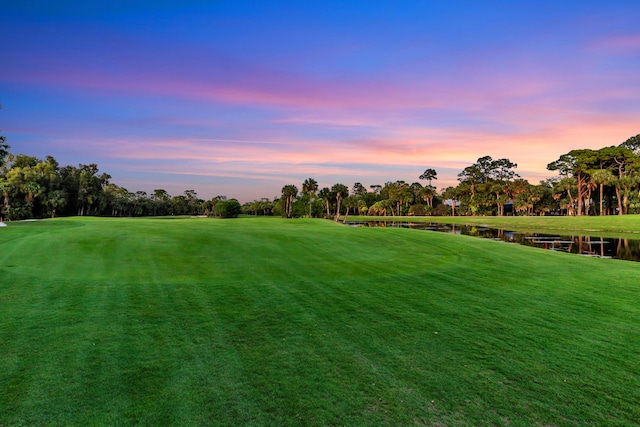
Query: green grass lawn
point(610, 226)
point(307, 322)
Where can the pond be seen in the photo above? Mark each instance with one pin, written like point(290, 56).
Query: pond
point(604, 247)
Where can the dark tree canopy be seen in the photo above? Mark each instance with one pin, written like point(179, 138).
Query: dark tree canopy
point(228, 208)
point(632, 144)
point(429, 175)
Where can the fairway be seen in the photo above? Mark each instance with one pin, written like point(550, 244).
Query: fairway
point(266, 321)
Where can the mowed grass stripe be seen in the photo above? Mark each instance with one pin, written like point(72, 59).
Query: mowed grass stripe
point(273, 322)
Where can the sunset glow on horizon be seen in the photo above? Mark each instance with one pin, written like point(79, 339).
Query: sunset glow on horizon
point(241, 98)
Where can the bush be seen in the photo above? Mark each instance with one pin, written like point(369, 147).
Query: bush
point(228, 209)
point(420, 210)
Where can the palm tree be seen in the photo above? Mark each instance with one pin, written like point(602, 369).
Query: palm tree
point(416, 190)
point(500, 188)
point(452, 194)
point(624, 187)
point(289, 193)
point(32, 190)
point(325, 194)
point(399, 193)
point(350, 202)
point(568, 184)
point(381, 208)
point(428, 193)
point(5, 189)
point(341, 191)
point(55, 199)
point(310, 186)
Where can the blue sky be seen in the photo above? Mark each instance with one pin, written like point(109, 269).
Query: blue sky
point(239, 98)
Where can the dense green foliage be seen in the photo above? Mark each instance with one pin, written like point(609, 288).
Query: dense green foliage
point(262, 321)
point(228, 208)
point(34, 188)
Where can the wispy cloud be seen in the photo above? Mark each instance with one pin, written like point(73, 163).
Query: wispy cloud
point(617, 44)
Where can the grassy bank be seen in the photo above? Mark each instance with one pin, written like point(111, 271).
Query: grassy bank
point(307, 322)
point(613, 226)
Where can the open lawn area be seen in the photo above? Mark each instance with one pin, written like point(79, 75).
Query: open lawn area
point(266, 321)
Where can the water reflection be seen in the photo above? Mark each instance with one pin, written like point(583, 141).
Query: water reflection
point(605, 247)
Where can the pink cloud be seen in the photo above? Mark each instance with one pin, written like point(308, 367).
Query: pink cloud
point(623, 44)
point(489, 87)
point(397, 146)
point(275, 163)
point(259, 86)
point(331, 120)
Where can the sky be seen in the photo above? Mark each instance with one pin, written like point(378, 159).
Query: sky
point(239, 98)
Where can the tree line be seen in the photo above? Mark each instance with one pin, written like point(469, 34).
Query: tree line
point(589, 182)
point(36, 188)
